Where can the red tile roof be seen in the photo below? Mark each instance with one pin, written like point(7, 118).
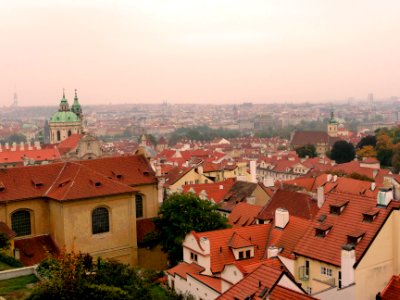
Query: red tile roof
point(244, 214)
point(132, 169)
point(302, 138)
point(70, 143)
point(34, 250)
point(328, 248)
point(298, 204)
point(282, 293)
point(213, 282)
point(215, 191)
point(184, 268)
point(392, 290)
point(76, 180)
point(143, 227)
point(175, 174)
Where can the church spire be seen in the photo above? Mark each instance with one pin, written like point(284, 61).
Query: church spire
point(76, 106)
point(64, 106)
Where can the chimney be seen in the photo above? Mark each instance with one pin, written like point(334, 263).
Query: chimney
point(14, 146)
point(385, 195)
point(22, 146)
point(281, 217)
point(221, 187)
point(7, 145)
point(253, 171)
point(373, 186)
point(348, 259)
point(320, 196)
point(329, 177)
point(273, 251)
point(37, 145)
point(29, 145)
point(158, 171)
point(334, 178)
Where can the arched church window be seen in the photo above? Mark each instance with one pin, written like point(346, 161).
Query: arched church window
point(58, 135)
point(100, 220)
point(139, 205)
point(21, 222)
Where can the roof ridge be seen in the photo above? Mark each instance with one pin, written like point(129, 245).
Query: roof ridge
point(55, 180)
point(73, 181)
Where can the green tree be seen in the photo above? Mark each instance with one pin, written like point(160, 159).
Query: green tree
point(307, 150)
point(369, 140)
point(76, 276)
point(181, 214)
point(396, 158)
point(342, 152)
point(384, 149)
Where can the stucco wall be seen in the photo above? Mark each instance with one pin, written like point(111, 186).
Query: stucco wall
point(378, 264)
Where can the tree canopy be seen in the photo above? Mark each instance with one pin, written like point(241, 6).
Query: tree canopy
point(307, 150)
point(180, 214)
point(342, 152)
point(76, 276)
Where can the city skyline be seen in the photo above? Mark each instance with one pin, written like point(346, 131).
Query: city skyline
point(198, 51)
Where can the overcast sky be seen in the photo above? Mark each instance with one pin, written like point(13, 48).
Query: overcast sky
point(191, 51)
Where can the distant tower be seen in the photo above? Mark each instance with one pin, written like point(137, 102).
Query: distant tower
point(332, 126)
point(76, 107)
point(15, 101)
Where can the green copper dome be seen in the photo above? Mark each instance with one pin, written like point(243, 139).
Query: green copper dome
point(64, 117)
point(76, 106)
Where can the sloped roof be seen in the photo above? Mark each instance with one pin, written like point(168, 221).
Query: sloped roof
point(183, 268)
point(328, 248)
point(303, 138)
point(134, 169)
point(75, 180)
point(261, 282)
point(35, 249)
point(392, 290)
point(69, 143)
point(243, 214)
point(298, 204)
point(175, 174)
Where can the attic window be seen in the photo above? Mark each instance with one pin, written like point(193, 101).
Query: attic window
point(117, 175)
point(322, 218)
point(146, 173)
point(322, 231)
point(337, 208)
point(355, 237)
point(96, 183)
point(37, 184)
point(370, 216)
point(64, 183)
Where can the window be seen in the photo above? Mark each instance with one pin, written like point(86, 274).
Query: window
point(326, 271)
point(339, 279)
point(307, 268)
point(193, 256)
point(139, 205)
point(248, 253)
point(21, 222)
point(100, 220)
point(309, 290)
point(69, 133)
point(241, 254)
point(58, 135)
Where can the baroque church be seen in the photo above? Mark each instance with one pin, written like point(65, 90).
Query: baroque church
point(66, 121)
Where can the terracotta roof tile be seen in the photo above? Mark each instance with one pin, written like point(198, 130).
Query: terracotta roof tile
point(244, 214)
point(392, 290)
point(183, 268)
point(34, 250)
point(328, 248)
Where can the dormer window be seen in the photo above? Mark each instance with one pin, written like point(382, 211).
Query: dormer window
point(193, 256)
point(355, 237)
point(338, 207)
point(96, 183)
point(370, 216)
point(322, 231)
point(37, 184)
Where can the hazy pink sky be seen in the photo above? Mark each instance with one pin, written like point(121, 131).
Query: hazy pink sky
point(198, 51)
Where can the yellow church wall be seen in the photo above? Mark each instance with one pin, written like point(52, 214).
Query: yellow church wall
point(380, 261)
point(150, 199)
point(39, 214)
point(119, 243)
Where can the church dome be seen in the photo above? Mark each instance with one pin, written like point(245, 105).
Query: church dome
point(64, 117)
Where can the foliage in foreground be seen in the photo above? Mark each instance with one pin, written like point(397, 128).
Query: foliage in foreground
point(77, 276)
point(181, 214)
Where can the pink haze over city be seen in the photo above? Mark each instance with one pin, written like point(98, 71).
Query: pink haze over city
point(184, 51)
